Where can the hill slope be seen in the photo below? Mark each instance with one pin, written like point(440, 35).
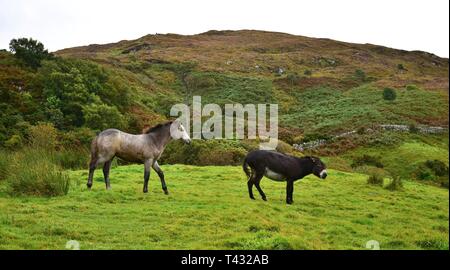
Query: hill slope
point(323, 88)
point(301, 74)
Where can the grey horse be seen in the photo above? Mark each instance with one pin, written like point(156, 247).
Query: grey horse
point(143, 148)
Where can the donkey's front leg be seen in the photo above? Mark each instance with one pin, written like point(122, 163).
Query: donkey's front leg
point(289, 191)
point(161, 176)
point(147, 165)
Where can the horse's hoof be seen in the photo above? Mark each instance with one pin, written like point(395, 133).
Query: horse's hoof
point(145, 191)
point(166, 192)
point(253, 198)
point(264, 199)
point(289, 202)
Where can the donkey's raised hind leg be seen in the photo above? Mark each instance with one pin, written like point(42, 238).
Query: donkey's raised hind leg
point(147, 165)
point(261, 192)
point(257, 180)
point(106, 169)
point(161, 176)
point(250, 184)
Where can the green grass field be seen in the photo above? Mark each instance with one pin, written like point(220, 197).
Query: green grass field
point(209, 208)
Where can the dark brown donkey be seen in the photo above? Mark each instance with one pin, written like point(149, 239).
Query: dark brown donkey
point(280, 167)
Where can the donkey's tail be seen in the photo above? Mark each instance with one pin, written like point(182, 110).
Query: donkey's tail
point(246, 169)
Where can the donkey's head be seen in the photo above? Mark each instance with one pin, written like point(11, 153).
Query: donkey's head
point(177, 132)
point(318, 168)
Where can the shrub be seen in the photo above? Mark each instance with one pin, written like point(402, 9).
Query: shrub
point(438, 167)
point(411, 87)
point(200, 81)
point(424, 173)
point(4, 164)
point(101, 116)
point(400, 67)
point(444, 181)
point(43, 136)
point(308, 72)
point(79, 137)
point(395, 184)
point(432, 170)
point(33, 172)
point(389, 94)
point(284, 147)
point(293, 78)
point(375, 179)
point(360, 75)
point(315, 136)
point(413, 128)
point(72, 158)
point(14, 142)
point(361, 131)
point(367, 160)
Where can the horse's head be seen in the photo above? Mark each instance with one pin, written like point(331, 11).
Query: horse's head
point(177, 131)
point(318, 168)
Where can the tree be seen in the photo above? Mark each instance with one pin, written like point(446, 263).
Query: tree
point(360, 75)
point(101, 116)
point(30, 51)
point(389, 94)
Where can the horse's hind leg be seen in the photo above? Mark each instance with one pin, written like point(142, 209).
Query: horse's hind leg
point(92, 166)
point(106, 169)
point(147, 165)
point(257, 180)
point(161, 176)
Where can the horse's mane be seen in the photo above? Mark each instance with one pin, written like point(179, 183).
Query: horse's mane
point(155, 128)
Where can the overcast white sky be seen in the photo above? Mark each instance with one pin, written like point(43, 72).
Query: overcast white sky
point(403, 24)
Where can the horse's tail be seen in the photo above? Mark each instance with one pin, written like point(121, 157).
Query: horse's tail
point(94, 148)
point(245, 168)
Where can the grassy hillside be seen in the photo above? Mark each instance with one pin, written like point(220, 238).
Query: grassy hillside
point(209, 208)
point(323, 88)
point(320, 85)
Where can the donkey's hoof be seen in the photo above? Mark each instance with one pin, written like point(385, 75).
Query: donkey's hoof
point(166, 192)
point(253, 198)
point(289, 202)
point(145, 191)
point(264, 199)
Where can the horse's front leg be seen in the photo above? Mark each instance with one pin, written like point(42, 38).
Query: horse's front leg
point(147, 165)
point(161, 176)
